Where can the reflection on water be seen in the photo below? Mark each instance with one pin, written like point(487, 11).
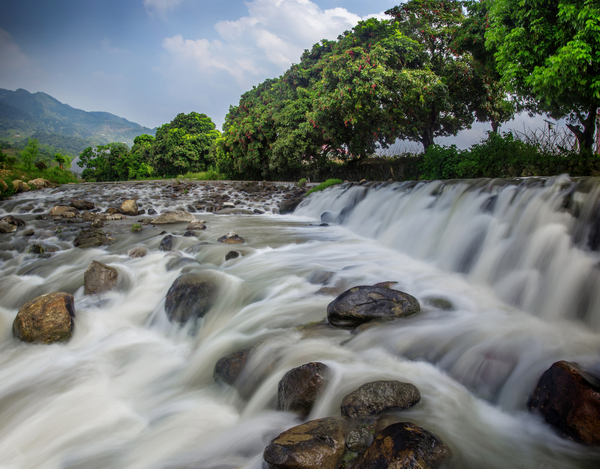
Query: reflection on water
point(131, 390)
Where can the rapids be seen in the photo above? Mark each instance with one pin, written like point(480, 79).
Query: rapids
point(517, 259)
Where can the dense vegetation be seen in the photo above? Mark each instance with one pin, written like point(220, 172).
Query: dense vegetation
point(430, 70)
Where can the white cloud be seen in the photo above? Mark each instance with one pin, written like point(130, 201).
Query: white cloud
point(106, 45)
point(160, 7)
point(264, 43)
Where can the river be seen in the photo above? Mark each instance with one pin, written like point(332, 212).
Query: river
point(515, 261)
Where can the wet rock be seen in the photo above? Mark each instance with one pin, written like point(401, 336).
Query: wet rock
point(180, 262)
point(137, 252)
point(231, 238)
point(29, 232)
point(47, 318)
point(129, 207)
point(112, 210)
point(83, 204)
point(99, 278)
point(20, 186)
point(91, 216)
point(258, 211)
point(300, 387)
point(196, 225)
point(320, 277)
point(39, 183)
point(151, 211)
point(359, 439)
point(64, 211)
point(166, 244)
point(318, 444)
point(568, 398)
point(405, 445)
point(289, 205)
point(92, 237)
point(176, 216)
point(229, 368)
point(190, 297)
point(6, 227)
point(233, 255)
point(387, 284)
point(379, 396)
point(115, 216)
point(36, 249)
point(364, 303)
point(235, 210)
point(441, 303)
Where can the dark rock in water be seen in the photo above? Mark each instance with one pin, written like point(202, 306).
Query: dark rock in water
point(47, 318)
point(196, 225)
point(231, 238)
point(99, 278)
point(180, 262)
point(190, 297)
point(64, 211)
point(92, 238)
point(36, 249)
point(328, 217)
point(229, 368)
point(6, 227)
point(191, 209)
point(232, 255)
point(364, 303)
point(320, 277)
point(379, 396)
point(151, 211)
point(188, 234)
point(405, 445)
point(441, 303)
point(323, 224)
point(568, 398)
point(289, 205)
point(359, 439)
point(28, 232)
point(318, 444)
point(258, 211)
point(388, 284)
point(300, 387)
point(13, 221)
point(141, 212)
point(166, 244)
point(137, 252)
point(112, 210)
point(83, 204)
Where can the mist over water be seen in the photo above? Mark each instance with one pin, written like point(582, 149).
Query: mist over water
point(515, 259)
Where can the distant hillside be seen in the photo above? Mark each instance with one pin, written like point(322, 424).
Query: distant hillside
point(39, 115)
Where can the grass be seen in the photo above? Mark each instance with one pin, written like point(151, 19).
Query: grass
point(136, 227)
point(209, 175)
point(324, 185)
point(11, 172)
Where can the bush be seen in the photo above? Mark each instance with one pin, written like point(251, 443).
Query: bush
point(136, 227)
point(324, 185)
point(302, 182)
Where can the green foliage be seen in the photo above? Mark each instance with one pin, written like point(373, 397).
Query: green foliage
point(500, 155)
point(302, 182)
point(64, 161)
point(183, 145)
point(209, 175)
point(548, 51)
point(106, 162)
point(136, 227)
point(324, 185)
point(30, 153)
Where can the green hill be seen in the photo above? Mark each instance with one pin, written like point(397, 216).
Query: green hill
point(39, 115)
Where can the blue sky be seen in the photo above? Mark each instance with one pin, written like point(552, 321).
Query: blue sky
point(148, 60)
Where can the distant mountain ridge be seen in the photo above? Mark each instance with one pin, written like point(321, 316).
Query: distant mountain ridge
point(39, 115)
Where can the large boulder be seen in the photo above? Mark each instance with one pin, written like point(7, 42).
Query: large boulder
point(9, 224)
point(91, 238)
point(196, 225)
point(20, 186)
point(379, 396)
point(191, 295)
point(129, 207)
point(300, 387)
point(365, 303)
point(568, 398)
point(137, 252)
point(405, 445)
point(39, 183)
point(64, 211)
point(318, 444)
point(176, 216)
point(166, 244)
point(47, 318)
point(99, 278)
point(289, 205)
point(83, 204)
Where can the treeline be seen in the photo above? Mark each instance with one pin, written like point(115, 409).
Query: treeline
point(430, 70)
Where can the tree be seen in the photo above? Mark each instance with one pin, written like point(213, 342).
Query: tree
point(184, 144)
point(105, 162)
point(30, 153)
point(549, 50)
point(450, 91)
point(63, 160)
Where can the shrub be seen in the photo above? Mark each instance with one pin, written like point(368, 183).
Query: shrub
point(302, 182)
point(136, 227)
point(324, 185)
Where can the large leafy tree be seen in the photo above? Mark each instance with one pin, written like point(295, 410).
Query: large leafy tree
point(549, 50)
point(183, 144)
point(105, 162)
point(30, 153)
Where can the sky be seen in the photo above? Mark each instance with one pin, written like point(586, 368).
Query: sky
point(148, 60)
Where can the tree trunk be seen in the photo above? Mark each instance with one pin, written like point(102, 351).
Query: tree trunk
point(585, 137)
point(495, 125)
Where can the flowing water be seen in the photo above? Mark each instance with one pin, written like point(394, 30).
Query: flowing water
point(516, 260)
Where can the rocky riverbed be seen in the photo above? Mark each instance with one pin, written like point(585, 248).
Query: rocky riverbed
point(177, 324)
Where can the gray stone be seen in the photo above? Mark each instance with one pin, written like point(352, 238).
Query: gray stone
point(300, 387)
point(379, 396)
point(177, 216)
point(191, 295)
point(99, 278)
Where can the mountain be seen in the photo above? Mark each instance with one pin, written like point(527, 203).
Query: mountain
point(39, 115)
